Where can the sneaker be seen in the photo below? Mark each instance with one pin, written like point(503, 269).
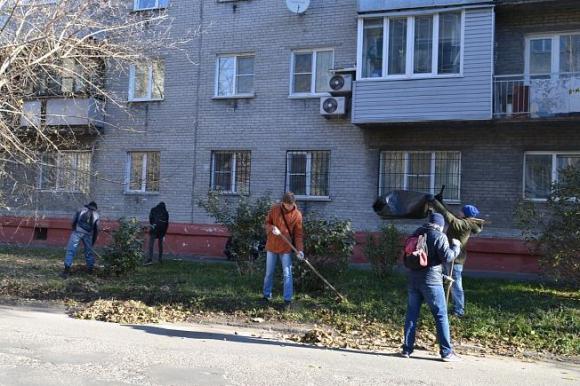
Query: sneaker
point(265, 300)
point(65, 273)
point(451, 358)
point(405, 354)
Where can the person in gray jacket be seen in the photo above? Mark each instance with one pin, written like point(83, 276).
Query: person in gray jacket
point(85, 229)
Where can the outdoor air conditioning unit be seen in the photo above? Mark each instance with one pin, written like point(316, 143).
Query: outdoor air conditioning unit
point(332, 106)
point(341, 84)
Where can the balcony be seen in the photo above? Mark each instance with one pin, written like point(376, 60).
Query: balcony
point(536, 96)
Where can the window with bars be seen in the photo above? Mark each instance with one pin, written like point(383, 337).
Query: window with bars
point(421, 171)
point(307, 173)
point(542, 169)
point(67, 171)
point(230, 171)
point(143, 171)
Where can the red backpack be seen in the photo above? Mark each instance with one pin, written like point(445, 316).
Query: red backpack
point(415, 252)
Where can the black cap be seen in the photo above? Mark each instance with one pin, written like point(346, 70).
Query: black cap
point(92, 205)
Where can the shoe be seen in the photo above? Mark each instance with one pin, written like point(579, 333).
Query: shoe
point(287, 305)
point(405, 354)
point(148, 262)
point(457, 315)
point(90, 270)
point(451, 358)
point(65, 273)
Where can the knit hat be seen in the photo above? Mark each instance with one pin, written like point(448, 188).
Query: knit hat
point(437, 219)
point(91, 205)
point(470, 211)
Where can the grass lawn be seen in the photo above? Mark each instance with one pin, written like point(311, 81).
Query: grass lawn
point(503, 317)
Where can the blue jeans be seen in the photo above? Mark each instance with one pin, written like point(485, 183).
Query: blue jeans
point(427, 285)
point(73, 244)
point(457, 293)
point(271, 259)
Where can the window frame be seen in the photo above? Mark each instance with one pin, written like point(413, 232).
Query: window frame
point(312, 93)
point(58, 167)
point(410, 46)
point(554, 169)
point(235, 77)
point(157, 6)
point(234, 191)
point(145, 162)
point(308, 187)
point(432, 170)
point(555, 54)
point(149, 97)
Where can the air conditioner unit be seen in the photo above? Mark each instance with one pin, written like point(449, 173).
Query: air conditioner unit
point(341, 84)
point(332, 106)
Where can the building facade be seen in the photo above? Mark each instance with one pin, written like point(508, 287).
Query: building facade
point(480, 96)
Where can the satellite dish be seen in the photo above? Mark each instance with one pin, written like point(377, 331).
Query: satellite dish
point(298, 6)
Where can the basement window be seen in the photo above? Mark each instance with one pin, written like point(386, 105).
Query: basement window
point(40, 233)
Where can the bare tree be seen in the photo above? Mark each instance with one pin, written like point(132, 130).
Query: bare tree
point(65, 48)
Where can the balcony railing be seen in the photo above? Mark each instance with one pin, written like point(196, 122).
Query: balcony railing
point(536, 96)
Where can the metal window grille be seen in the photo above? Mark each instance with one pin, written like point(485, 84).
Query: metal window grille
point(66, 171)
point(421, 171)
point(307, 173)
point(144, 171)
point(230, 171)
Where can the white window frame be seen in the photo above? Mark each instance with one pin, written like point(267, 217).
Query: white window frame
point(235, 85)
point(554, 169)
point(156, 6)
point(234, 164)
point(58, 168)
point(432, 172)
point(410, 47)
point(308, 187)
point(143, 189)
point(149, 96)
point(555, 63)
point(312, 93)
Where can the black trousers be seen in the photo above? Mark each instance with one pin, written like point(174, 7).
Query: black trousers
point(152, 238)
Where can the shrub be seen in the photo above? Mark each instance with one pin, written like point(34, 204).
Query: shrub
point(328, 245)
point(383, 250)
point(553, 231)
point(126, 250)
point(245, 223)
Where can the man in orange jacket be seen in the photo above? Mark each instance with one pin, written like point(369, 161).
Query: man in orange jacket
point(284, 219)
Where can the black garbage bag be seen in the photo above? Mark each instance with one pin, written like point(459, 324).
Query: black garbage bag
point(402, 204)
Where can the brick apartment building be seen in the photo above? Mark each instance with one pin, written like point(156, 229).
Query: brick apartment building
point(478, 95)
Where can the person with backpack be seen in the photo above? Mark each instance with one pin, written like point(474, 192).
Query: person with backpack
point(460, 229)
point(85, 229)
point(159, 222)
point(283, 219)
point(425, 283)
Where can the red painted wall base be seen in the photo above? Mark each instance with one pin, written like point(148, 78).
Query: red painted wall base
point(485, 254)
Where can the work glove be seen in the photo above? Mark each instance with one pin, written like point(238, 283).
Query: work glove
point(300, 256)
point(153, 226)
point(456, 242)
point(276, 231)
point(439, 197)
point(429, 197)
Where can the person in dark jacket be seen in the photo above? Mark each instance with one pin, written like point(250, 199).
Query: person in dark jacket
point(426, 285)
point(460, 229)
point(159, 221)
point(85, 229)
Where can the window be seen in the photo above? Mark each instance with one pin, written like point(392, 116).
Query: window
point(141, 5)
point(553, 54)
point(421, 171)
point(146, 82)
point(143, 171)
point(67, 171)
point(230, 171)
point(541, 170)
point(307, 173)
point(311, 72)
point(235, 76)
point(416, 46)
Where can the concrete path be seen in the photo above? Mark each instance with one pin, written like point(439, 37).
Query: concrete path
point(49, 348)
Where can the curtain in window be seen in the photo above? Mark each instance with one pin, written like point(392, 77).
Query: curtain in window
point(141, 82)
point(136, 171)
point(538, 176)
point(158, 78)
point(323, 66)
point(570, 53)
point(245, 75)
point(243, 161)
point(153, 172)
point(297, 173)
point(392, 171)
point(423, 44)
point(302, 72)
point(541, 56)
point(372, 66)
point(397, 46)
point(320, 166)
point(419, 172)
point(449, 43)
point(226, 66)
point(222, 164)
point(447, 172)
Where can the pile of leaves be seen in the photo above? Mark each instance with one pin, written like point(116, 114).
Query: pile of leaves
point(130, 312)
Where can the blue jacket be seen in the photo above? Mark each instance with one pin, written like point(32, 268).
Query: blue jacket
point(439, 250)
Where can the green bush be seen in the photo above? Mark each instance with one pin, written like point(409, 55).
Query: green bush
point(553, 229)
point(383, 250)
point(244, 220)
point(126, 250)
point(328, 245)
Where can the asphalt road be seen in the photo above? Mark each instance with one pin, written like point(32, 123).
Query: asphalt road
point(49, 348)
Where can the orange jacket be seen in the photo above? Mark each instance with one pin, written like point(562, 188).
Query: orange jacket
point(275, 243)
